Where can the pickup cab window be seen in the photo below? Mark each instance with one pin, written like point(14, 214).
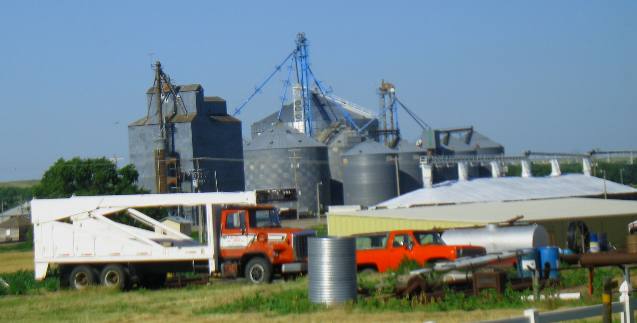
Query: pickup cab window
point(371, 242)
point(401, 240)
point(425, 238)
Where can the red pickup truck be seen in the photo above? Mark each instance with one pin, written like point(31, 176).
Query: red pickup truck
point(386, 250)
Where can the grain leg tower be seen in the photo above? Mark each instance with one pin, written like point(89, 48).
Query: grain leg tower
point(187, 142)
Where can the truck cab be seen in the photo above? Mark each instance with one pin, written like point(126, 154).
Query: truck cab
point(253, 244)
point(383, 251)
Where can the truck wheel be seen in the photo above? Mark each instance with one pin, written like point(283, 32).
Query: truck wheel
point(114, 276)
point(81, 277)
point(258, 271)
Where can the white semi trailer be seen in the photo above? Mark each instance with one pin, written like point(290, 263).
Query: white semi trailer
point(83, 238)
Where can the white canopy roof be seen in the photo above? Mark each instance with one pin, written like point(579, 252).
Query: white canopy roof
point(509, 189)
point(492, 212)
point(44, 210)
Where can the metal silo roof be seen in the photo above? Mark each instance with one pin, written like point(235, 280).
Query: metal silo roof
point(405, 146)
point(280, 136)
point(369, 147)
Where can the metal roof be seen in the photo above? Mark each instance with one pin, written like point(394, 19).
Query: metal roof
point(368, 147)
point(213, 98)
point(463, 140)
point(22, 209)
point(405, 146)
point(323, 112)
point(492, 212)
point(177, 118)
point(509, 189)
point(180, 88)
point(14, 221)
point(225, 119)
point(281, 136)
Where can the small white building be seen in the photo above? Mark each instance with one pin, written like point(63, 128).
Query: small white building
point(14, 228)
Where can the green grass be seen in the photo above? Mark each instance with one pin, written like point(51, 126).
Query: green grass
point(23, 282)
point(17, 246)
point(321, 230)
point(296, 301)
point(282, 303)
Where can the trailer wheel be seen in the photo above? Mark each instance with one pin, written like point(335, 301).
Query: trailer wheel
point(114, 276)
point(81, 277)
point(258, 270)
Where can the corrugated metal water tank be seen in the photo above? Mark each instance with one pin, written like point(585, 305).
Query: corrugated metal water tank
point(369, 174)
point(284, 158)
point(332, 270)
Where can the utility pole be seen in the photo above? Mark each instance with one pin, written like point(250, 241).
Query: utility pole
point(197, 181)
point(294, 163)
point(318, 201)
point(397, 170)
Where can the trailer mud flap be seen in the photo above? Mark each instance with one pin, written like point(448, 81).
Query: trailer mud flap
point(40, 270)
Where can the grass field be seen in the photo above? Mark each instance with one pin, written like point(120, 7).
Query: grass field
point(189, 304)
point(14, 261)
point(214, 302)
point(20, 184)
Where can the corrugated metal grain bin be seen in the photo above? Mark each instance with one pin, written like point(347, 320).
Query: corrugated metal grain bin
point(369, 174)
point(284, 158)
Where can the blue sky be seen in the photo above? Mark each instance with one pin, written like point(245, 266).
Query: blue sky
point(540, 75)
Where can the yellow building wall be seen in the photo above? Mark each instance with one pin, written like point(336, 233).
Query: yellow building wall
point(616, 227)
point(345, 225)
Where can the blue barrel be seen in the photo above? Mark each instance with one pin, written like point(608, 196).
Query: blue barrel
point(550, 256)
point(527, 262)
point(593, 245)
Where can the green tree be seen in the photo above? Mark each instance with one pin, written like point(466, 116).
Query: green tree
point(12, 196)
point(98, 176)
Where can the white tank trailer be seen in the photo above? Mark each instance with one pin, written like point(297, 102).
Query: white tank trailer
point(496, 238)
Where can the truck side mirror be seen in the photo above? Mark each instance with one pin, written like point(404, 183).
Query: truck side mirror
point(409, 245)
point(243, 228)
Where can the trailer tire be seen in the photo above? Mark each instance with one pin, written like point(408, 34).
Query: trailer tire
point(82, 277)
point(258, 271)
point(114, 276)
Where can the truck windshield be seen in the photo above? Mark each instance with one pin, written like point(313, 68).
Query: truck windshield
point(265, 219)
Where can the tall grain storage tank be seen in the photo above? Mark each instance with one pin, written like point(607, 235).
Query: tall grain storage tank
point(369, 174)
point(338, 143)
point(282, 157)
point(409, 165)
